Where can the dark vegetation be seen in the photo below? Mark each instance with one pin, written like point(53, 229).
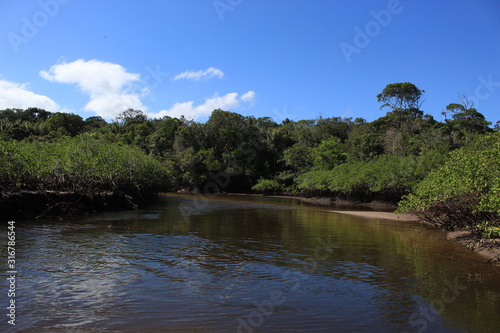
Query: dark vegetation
point(73, 175)
point(447, 172)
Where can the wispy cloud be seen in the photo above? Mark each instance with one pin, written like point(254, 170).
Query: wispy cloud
point(15, 95)
point(200, 75)
point(229, 101)
point(108, 85)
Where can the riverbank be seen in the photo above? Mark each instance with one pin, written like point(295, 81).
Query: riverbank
point(24, 204)
point(343, 204)
point(380, 215)
point(489, 249)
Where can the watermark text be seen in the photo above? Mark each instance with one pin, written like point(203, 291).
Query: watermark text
point(11, 272)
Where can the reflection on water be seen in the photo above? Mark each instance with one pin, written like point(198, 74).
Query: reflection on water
point(247, 264)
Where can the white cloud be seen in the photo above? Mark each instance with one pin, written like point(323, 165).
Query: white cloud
point(107, 84)
point(110, 105)
point(111, 89)
point(200, 75)
point(15, 95)
point(249, 97)
point(190, 111)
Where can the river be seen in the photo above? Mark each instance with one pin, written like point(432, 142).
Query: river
point(192, 263)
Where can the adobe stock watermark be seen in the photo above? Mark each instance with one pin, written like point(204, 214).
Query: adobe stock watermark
point(154, 78)
point(201, 200)
point(295, 278)
point(219, 181)
point(31, 25)
point(282, 115)
point(484, 89)
point(223, 6)
point(363, 37)
point(420, 319)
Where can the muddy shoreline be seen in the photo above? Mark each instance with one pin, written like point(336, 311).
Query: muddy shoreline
point(489, 249)
point(343, 204)
point(25, 204)
point(380, 215)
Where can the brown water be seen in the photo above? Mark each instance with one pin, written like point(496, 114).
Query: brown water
point(246, 264)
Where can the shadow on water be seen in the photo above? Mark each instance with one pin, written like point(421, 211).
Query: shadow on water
point(248, 264)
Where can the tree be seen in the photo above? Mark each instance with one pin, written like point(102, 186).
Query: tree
point(19, 115)
point(334, 126)
point(463, 192)
point(328, 154)
point(267, 186)
point(36, 114)
point(401, 96)
point(225, 131)
point(61, 123)
point(131, 116)
point(95, 122)
point(405, 120)
point(467, 119)
point(162, 140)
point(364, 143)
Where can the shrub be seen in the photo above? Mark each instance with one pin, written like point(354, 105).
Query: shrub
point(83, 165)
point(266, 186)
point(462, 192)
point(385, 178)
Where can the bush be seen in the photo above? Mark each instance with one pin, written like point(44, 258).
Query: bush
point(386, 178)
point(83, 165)
point(266, 186)
point(489, 231)
point(464, 191)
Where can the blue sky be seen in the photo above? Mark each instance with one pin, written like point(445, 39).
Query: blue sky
point(296, 59)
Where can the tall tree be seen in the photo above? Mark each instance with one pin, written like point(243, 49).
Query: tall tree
point(131, 116)
point(61, 123)
point(402, 97)
point(466, 118)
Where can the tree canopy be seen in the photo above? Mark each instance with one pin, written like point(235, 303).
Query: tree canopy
point(343, 157)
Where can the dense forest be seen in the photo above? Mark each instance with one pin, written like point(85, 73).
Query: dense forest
point(405, 156)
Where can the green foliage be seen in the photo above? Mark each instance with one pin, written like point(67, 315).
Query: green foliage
point(161, 141)
point(472, 169)
point(328, 154)
point(266, 186)
point(467, 120)
point(401, 96)
point(131, 116)
point(364, 143)
point(383, 159)
point(83, 165)
point(389, 176)
point(464, 191)
point(298, 157)
point(64, 124)
point(489, 231)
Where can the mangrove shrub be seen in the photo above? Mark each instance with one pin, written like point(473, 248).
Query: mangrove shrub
point(83, 165)
point(463, 192)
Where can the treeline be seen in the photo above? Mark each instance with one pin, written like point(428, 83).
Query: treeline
point(71, 176)
point(339, 157)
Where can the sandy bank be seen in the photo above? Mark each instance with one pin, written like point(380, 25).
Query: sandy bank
point(488, 248)
point(379, 215)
